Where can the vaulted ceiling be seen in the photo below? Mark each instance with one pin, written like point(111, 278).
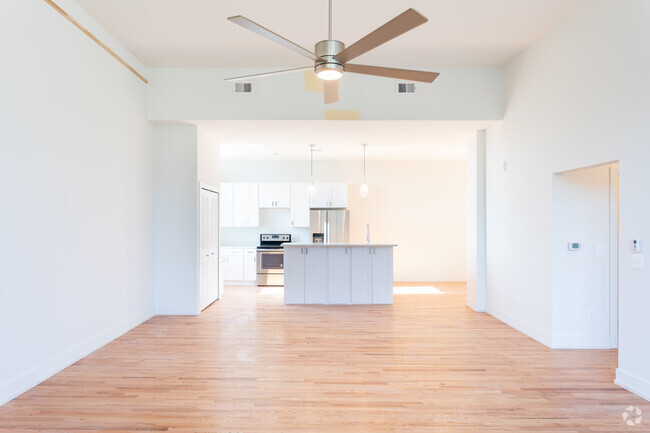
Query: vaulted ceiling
point(195, 33)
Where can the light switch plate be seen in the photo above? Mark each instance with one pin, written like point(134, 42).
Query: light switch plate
point(637, 261)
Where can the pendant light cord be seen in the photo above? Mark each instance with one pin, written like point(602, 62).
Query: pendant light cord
point(311, 162)
point(364, 162)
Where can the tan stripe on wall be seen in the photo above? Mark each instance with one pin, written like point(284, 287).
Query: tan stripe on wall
point(94, 38)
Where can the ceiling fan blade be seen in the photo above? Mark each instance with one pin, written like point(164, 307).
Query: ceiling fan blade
point(402, 74)
point(268, 74)
point(331, 91)
point(401, 24)
point(268, 34)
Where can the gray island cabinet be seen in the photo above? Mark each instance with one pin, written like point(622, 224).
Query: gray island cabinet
point(338, 274)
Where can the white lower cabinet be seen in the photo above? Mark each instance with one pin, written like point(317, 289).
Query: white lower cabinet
point(294, 276)
point(382, 275)
point(339, 275)
point(239, 264)
point(361, 278)
point(315, 275)
point(303, 267)
point(250, 264)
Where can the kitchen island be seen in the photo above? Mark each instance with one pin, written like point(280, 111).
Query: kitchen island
point(338, 274)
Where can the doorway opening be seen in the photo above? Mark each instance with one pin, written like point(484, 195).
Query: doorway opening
point(585, 258)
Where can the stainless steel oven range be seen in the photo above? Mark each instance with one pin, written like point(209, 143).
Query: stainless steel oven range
point(270, 260)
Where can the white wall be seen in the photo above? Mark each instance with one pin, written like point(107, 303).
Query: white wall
point(201, 93)
point(185, 156)
point(176, 219)
point(419, 205)
point(76, 181)
point(577, 98)
point(581, 279)
point(476, 258)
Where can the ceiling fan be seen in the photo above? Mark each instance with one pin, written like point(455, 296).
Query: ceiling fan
point(331, 57)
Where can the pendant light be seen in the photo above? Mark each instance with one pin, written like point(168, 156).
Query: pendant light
point(364, 186)
point(312, 187)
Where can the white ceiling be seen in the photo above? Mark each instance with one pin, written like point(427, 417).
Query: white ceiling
point(195, 33)
point(341, 140)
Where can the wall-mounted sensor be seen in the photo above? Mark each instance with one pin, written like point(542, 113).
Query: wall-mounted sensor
point(574, 246)
point(636, 245)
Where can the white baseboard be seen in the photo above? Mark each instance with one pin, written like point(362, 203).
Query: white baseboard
point(471, 303)
point(12, 389)
point(633, 384)
point(520, 325)
point(581, 342)
point(177, 310)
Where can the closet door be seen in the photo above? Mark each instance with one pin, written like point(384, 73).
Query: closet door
point(208, 247)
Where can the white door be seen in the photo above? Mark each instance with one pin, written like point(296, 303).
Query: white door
point(338, 275)
point(208, 247)
point(339, 192)
point(283, 199)
point(253, 205)
point(233, 264)
point(227, 205)
point(382, 275)
point(294, 276)
point(246, 205)
point(268, 195)
point(316, 275)
point(250, 264)
point(300, 205)
point(361, 275)
point(322, 196)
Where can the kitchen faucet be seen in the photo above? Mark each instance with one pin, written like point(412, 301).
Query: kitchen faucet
point(367, 233)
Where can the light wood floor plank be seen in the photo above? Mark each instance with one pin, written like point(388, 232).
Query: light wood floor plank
point(251, 364)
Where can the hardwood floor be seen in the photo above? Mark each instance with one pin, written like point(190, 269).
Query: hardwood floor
point(251, 364)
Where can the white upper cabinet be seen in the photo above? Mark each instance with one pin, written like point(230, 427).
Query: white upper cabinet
point(330, 195)
point(339, 195)
point(274, 195)
point(299, 205)
point(239, 205)
point(226, 210)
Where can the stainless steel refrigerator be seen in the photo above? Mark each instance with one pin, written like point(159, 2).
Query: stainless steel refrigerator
point(332, 226)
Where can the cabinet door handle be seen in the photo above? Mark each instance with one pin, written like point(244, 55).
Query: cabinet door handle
point(306, 250)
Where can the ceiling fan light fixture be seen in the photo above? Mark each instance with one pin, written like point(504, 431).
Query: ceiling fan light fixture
point(329, 71)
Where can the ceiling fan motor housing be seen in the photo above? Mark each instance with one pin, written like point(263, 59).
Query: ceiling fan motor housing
point(326, 50)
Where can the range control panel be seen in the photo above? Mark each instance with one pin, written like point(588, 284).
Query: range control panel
point(275, 238)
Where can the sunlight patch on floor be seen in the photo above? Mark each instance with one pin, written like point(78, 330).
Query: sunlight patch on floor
point(425, 290)
point(276, 291)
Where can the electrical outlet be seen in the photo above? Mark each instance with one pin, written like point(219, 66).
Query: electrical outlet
point(592, 315)
point(637, 261)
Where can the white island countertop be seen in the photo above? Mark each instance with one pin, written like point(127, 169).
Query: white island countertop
point(303, 245)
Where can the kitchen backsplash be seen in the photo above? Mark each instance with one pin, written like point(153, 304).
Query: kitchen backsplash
point(271, 221)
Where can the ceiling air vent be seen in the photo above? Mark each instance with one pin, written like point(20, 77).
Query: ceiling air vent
point(243, 87)
point(405, 87)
